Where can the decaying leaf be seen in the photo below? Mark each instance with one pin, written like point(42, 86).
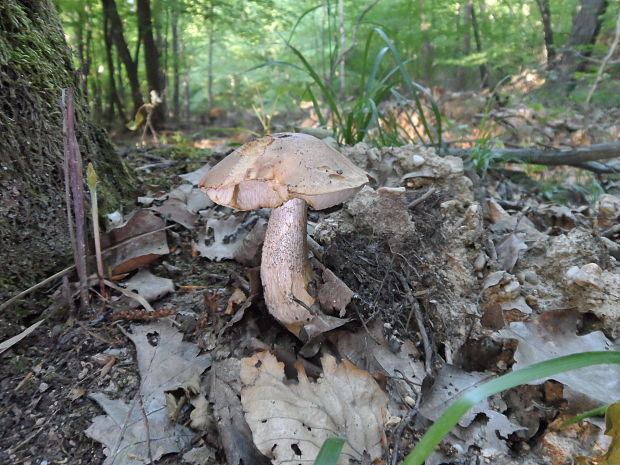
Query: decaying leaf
point(165, 363)
point(289, 421)
point(486, 434)
point(334, 294)
point(136, 251)
point(236, 237)
point(233, 430)
point(371, 351)
point(508, 251)
point(149, 286)
point(182, 205)
point(554, 334)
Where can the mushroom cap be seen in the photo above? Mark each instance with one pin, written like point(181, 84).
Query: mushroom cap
point(276, 168)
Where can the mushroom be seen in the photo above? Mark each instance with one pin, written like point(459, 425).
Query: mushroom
point(285, 172)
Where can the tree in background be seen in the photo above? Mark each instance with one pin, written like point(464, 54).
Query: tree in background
point(154, 72)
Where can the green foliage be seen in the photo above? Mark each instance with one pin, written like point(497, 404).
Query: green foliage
point(360, 118)
point(330, 451)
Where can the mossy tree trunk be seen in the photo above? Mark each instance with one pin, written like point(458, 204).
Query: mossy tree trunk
point(35, 64)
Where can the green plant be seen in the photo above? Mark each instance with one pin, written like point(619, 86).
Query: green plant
point(360, 118)
point(461, 406)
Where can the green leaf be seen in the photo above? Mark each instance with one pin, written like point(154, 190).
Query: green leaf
point(330, 451)
point(526, 375)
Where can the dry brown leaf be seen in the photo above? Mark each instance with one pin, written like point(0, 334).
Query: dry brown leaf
point(237, 297)
point(139, 250)
point(290, 422)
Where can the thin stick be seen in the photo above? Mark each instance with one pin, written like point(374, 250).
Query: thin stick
point(72, 151)
point(146, 426)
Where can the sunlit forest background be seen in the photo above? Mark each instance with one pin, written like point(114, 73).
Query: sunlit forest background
point(270, 58)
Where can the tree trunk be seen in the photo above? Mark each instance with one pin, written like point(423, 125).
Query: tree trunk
point(113, 98)
point(545, 13)
point(33, 230)
point(210, 64)
point(176, 79)
point(343, 47)
point(116, 33)
point(463, 71)
point(484, 71)
point(584, 31)
point(154, 74)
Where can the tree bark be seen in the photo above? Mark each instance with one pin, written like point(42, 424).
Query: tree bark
point(584, 31)
point(33, 223)
point(545, 13)
point(176, 78)
point(131, 67)
point(113, 98)
point(154, 74)
point(210, 64)
point(484, 70)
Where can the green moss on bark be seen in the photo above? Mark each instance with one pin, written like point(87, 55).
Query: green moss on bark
point(35, 65)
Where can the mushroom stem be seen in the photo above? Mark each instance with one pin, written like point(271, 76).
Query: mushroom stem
point(285, 270)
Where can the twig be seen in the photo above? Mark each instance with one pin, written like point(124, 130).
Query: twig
point(414, 203)
point(398, 434)
point(74, 164)
point(415, 308)
point(575, 156)
point(131, 295)
point(146, 426)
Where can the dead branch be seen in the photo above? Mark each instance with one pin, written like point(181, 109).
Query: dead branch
point(579, 156)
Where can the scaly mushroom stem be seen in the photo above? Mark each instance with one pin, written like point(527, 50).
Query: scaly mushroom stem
point(285, 270)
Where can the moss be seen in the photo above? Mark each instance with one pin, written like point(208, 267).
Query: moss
point(35, 65)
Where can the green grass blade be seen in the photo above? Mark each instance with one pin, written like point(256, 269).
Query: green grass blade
point(327, 93)
point(526, 375)
point(590, 413)
point(330, 451)
point(303, 15)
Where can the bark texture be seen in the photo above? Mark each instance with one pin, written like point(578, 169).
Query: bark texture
point(584, 31)
point(35, 64)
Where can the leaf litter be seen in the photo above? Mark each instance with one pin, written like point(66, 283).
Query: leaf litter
point(472, 265)
point(140, 431)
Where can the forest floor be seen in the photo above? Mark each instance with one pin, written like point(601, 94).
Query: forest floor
point(448, 276)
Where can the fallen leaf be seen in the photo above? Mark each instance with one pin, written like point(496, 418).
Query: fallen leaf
point(236, 236)
point(554, 334)
point(290, 422)
point(200, 415)
point(138, 248)
point(200, 456)
point(237, 297)
point(149, 286)
point(334, 294)
point(165, 363)
point(508, 251)
point(471, 431)
point(233, 430)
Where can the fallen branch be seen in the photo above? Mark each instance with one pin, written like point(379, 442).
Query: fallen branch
point(580, 156)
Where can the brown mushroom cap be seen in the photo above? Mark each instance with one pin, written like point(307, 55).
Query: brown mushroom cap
point(271, 170)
